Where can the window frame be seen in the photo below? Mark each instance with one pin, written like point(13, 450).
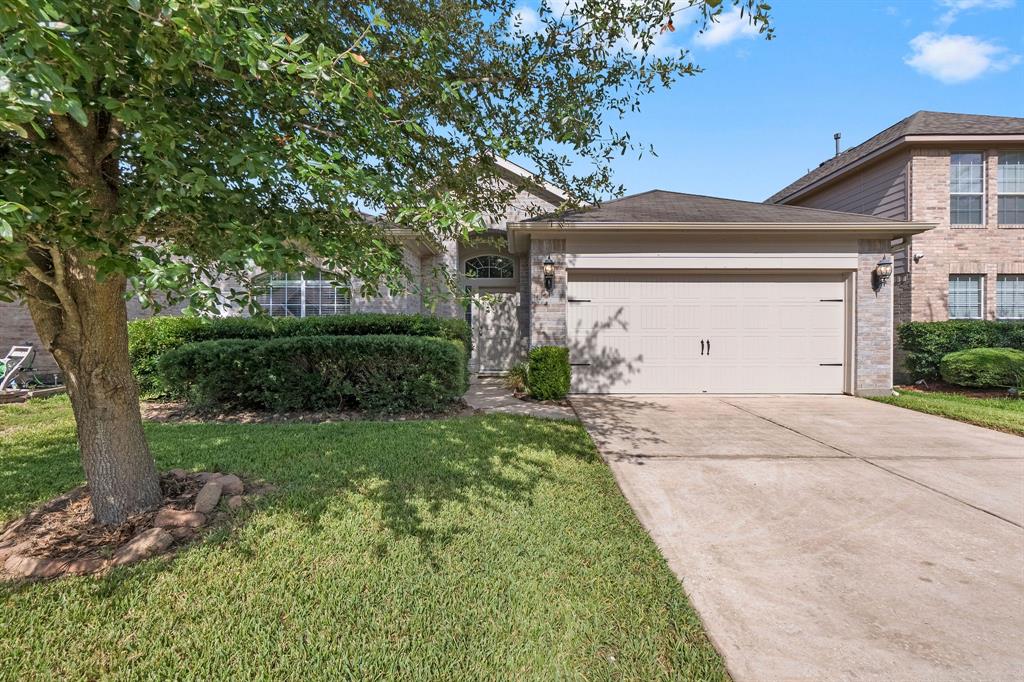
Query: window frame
point(981, 296)
point(956, 194)
point(302, 284)
point(1019, 295)
point(1001, 193)
point(476, 278)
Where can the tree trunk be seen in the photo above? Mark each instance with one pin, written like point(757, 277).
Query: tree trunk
point(83, 323)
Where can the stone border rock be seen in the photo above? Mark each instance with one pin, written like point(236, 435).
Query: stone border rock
point(166, 527)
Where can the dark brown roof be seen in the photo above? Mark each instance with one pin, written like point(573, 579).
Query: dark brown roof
point(921, 123)
point(661, 206)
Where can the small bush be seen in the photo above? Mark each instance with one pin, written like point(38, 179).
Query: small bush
point(516, 379)
point(983, 367)
point(548, 375)
point(150, 338)
point(926, 343)
point(384, 373)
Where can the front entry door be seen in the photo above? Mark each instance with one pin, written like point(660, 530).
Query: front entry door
point(497, 343)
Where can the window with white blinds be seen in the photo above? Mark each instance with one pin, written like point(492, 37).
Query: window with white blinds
point(303, 294)
point(965, 297)
point(966, 188)
point(1011, 188)
point(1010, 297)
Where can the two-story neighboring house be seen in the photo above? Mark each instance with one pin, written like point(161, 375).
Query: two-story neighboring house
point(962, 172)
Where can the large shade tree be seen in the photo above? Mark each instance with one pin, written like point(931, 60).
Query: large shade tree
point(161, 146)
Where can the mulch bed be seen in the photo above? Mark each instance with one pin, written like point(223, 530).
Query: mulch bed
point(942, 387)
point(181, 412)
point(60, 537)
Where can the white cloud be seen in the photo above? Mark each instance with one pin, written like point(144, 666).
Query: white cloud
point(527, 19)
point(956, 7)
point(729, 26)
point(957, 58)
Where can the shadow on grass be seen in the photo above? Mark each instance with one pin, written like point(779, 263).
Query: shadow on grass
point(407, 473)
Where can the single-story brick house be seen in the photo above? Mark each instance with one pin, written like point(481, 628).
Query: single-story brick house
point(659, 292)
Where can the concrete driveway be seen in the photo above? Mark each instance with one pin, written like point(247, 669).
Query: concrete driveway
point(830, 537)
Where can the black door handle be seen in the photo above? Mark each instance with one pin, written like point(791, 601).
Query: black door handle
point(709, 346)
point(702, 346)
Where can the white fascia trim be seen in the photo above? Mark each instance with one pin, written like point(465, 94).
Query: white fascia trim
point(518, 170)
point(560, 230)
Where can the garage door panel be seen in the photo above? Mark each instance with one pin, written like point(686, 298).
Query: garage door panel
point(642, 333)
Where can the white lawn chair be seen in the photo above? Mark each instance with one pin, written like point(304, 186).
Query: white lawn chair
point(19, 359)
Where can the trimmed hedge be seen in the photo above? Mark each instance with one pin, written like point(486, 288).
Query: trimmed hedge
point(151, 338)
point(383, 373)
point(984, 367)
point(926, 343)
point(549, 372)
point(148, 340)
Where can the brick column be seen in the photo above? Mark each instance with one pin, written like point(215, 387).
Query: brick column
point(547, 309)
point(873, 329)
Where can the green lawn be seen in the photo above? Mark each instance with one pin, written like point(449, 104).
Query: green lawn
point(1004, 414)
point(480, 548)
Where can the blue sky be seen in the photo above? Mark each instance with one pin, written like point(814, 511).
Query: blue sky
point(763, 113)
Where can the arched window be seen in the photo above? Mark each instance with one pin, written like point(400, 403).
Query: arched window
point(302, 294)
point(489, 267)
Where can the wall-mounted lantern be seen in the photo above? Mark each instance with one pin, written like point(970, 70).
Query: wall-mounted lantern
point(549, 274)
point(882, 272)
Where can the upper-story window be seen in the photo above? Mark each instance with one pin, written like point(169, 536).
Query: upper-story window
point(489, 267)
point(1011, 188)
point(966, 188)
point(303, 294)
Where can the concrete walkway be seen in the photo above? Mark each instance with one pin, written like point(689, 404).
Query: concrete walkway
point(830, 538)
point(489, 394)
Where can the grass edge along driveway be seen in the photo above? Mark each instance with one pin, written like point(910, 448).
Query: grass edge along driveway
point(490, 547)
point(1001, 414)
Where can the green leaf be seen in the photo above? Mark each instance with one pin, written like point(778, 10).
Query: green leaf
point(76, 112)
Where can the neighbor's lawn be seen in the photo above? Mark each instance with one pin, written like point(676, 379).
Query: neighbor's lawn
point(494, 547)
point(1004, 414)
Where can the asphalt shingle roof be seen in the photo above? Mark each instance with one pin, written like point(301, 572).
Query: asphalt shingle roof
point(921, 123)
point(661, 206)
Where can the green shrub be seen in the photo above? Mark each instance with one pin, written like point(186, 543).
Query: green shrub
point(149, 339)
point(983, 367)
point(926, 343)
point(516, 379)
point(359, 324)
point(385, 373)
point(548, 375)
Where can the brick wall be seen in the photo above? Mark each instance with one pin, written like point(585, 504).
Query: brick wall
point(989, 249)
point(548, 309)
point(873, 333)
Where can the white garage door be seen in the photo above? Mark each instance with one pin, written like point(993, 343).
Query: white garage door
point(675, 333)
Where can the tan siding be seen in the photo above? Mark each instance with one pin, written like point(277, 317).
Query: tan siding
point(879, 190)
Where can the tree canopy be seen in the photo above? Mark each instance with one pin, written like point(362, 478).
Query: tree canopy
point(179, 139)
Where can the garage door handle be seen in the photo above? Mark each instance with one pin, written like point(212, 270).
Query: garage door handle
point(830, 300)
point(702, 346)
point(830, 364)
point(579, 300)
point(709, 346)
point(579, 364)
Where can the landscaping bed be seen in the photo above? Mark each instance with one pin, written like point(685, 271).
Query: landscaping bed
point(60, 538)
point(492, 547)
point(999, 413)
